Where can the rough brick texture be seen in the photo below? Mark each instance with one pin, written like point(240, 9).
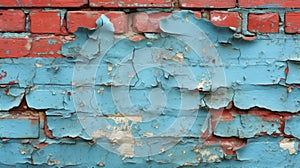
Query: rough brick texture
point(292, 22)
point(46, 46)
point(45, 22)
point(88, 19)
point(131, 3)
point(228, 19)
point(207, 3)
point(12, 21)
point(263, 23)
point(269, 3)
point(43, 3)
point(143, 22)
point(14, 47)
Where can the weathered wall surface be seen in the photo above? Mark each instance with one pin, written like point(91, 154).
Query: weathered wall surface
point(155, 83)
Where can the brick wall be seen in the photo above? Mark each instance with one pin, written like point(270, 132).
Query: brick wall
point(250, 119)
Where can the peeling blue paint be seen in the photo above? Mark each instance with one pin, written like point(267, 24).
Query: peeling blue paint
point(66, 127)
point(10, 97)
point(164, 97)
point(275, 98)
point(19, 128)
point(293, 74)
point(291, 127)
point(246, 126)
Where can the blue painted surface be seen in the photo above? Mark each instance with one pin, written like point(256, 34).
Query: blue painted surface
point(10, 97)
point(275, 98)
point(19, 128)
point(292, 126)
point(293, 75)
point(170, 84)
point(246, 126)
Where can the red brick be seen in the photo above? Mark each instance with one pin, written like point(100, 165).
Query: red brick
point(88, 19)
point(143, 22)
point(45, 22)
point(227, 19)
point(263, 23)
point(46, 46)
point(197, 14)
point(12, 21)
point(131, 3)
point(207, 3)
point(14, 47)
point(292, 22)
point(269, 3)
point(42, 3)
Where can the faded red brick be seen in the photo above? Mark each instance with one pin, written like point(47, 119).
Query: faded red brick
point(14, 47)
point(227, 19)
point(12, 21)
point(131, 3)
point(88, 19)
point(45, 22)
point(143, 22)
point(207, 3)
point(263, 23)
point(269, 3)
point(43, 3)
point(46, 46)
point(292, 22)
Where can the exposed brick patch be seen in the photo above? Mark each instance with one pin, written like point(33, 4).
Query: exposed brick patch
point(228, 19)
point(131, 4)
point(43, 3)
point(12, 21)
point(143, 22)
point(263, 23)
point(292, 22)
point(46, 46)
point(197, 14)
point(14, 47)
point(207, 3)
point(88, 19)
point(269, 4)
point(45, 22)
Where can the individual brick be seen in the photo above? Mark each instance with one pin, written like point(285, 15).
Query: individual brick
point(43, 3)
point(227, 19)
point(269, 4)
point(263, 23)
point(45, 22)
point(291, 126)
point(131, 3)
point(14, 47)
point(143, 22)
point(207, 3)
point(19, 125)
point(88, 19)
point(197, 14)
point(12, 21)
point(292, 72)
point(246, 126)
point(46, 46)
point(292, 22)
